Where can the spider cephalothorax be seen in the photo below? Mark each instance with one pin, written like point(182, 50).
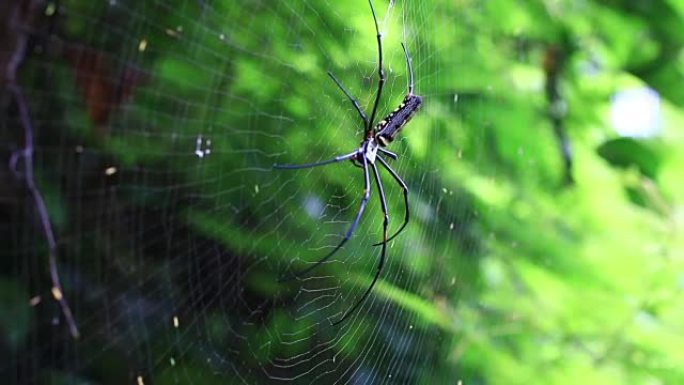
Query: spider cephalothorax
point(372, 148)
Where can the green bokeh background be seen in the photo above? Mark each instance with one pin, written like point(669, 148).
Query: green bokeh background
point(507, 273)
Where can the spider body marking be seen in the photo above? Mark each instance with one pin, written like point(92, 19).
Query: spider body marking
point(388, 128)
point(370, 152)
point(372, 148)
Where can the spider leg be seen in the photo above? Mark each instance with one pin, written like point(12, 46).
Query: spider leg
point(381, 70)
point(406, 202)
point(350, 231)
point(363, 116)
point(355, 162)
point(315, 164)
point(388, 153)
point(410, 69)
point(383, 253)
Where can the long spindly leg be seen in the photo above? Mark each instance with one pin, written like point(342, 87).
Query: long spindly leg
point(350, 231)
point(388, 153)
point(406, 201)
point(383, 253)
point(381, 70)
point(316, 164)
point(409, 66)
point(366, 124)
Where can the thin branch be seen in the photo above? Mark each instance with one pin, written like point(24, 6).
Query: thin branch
point(26, 153)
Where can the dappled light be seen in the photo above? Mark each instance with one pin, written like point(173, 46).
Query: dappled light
point(190, 192)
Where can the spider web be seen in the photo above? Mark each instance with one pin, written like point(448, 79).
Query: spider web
point(144, 234)
point(156, 127)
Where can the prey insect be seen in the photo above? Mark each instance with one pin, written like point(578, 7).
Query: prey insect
point(372, 148)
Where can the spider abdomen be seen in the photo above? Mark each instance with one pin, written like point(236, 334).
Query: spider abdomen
point(388, 128)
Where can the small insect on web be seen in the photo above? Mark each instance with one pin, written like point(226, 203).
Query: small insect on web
point(375, 139)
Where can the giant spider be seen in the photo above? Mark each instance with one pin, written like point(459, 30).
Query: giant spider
point(375, 138)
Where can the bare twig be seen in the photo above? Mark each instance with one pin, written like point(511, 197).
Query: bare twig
point(26, 154)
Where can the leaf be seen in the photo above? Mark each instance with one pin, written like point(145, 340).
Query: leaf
point(628, 152)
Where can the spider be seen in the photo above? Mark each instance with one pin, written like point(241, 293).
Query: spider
point(375, 138)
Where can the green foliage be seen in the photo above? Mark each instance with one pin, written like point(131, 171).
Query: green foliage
point(507, 273)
